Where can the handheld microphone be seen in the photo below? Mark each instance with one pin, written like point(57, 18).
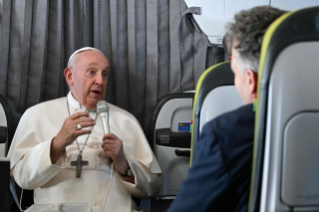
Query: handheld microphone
point(103, 111)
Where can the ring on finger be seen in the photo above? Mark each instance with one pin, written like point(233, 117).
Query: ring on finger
point(79, 127)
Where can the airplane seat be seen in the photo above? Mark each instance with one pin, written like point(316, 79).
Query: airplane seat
point(6, 132)
point(215, 95)
point(6, 127)
point(170, 139)
point(285, 174)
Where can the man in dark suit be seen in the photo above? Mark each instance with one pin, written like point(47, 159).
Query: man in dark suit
point(219, 179)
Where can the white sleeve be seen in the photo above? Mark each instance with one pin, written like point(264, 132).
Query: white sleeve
point(147, 184)
point(35, 168)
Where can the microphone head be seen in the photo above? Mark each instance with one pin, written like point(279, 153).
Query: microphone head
point(102, 107)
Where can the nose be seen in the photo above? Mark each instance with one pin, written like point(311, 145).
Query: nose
point(99, 78)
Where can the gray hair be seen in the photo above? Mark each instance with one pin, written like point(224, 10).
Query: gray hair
point(249, 29)
point(227, 45)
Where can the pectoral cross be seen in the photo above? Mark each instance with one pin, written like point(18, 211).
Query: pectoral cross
point(79, 163)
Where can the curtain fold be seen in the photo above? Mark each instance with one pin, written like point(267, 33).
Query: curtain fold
point(139, 38)
point(177, 8)
point(140, 60)
point(55, 85)
point(151, 84)
point(5, 21)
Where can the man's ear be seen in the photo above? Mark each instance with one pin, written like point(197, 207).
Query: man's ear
point(69, 76)
point(252, 78)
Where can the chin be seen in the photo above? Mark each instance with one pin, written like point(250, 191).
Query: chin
point(91, 104)
point(93, 100)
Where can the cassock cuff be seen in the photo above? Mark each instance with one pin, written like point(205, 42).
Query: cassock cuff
point(61, 162)
point(146, 184)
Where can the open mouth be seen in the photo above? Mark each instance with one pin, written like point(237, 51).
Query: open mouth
point(96, 91)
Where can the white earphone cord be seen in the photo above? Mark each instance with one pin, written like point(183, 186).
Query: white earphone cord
point(21, 200)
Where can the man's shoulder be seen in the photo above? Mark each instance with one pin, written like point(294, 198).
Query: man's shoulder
point(233, 118)
point(43, 111)
point(232, 131)
point(233, 125)
point(43, 106)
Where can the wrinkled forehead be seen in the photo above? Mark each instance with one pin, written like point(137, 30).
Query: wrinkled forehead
point(82, 50)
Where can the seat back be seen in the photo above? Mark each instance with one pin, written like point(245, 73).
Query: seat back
point(286, 159)
point(6, 134)
point(6, 127)
point(170, 133)
point(215, 95)
point(3, 132)
point(7, 130)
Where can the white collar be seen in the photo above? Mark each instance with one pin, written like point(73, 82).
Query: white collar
point(75, 105)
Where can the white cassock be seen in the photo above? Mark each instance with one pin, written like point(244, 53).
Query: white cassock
point(56, 187)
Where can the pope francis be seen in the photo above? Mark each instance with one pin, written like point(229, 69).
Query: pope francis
point(60, 150)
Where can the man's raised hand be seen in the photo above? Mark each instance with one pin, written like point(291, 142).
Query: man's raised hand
point(113, 148)
point(69, 132)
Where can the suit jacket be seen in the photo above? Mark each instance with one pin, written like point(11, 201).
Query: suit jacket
point(219, 179)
